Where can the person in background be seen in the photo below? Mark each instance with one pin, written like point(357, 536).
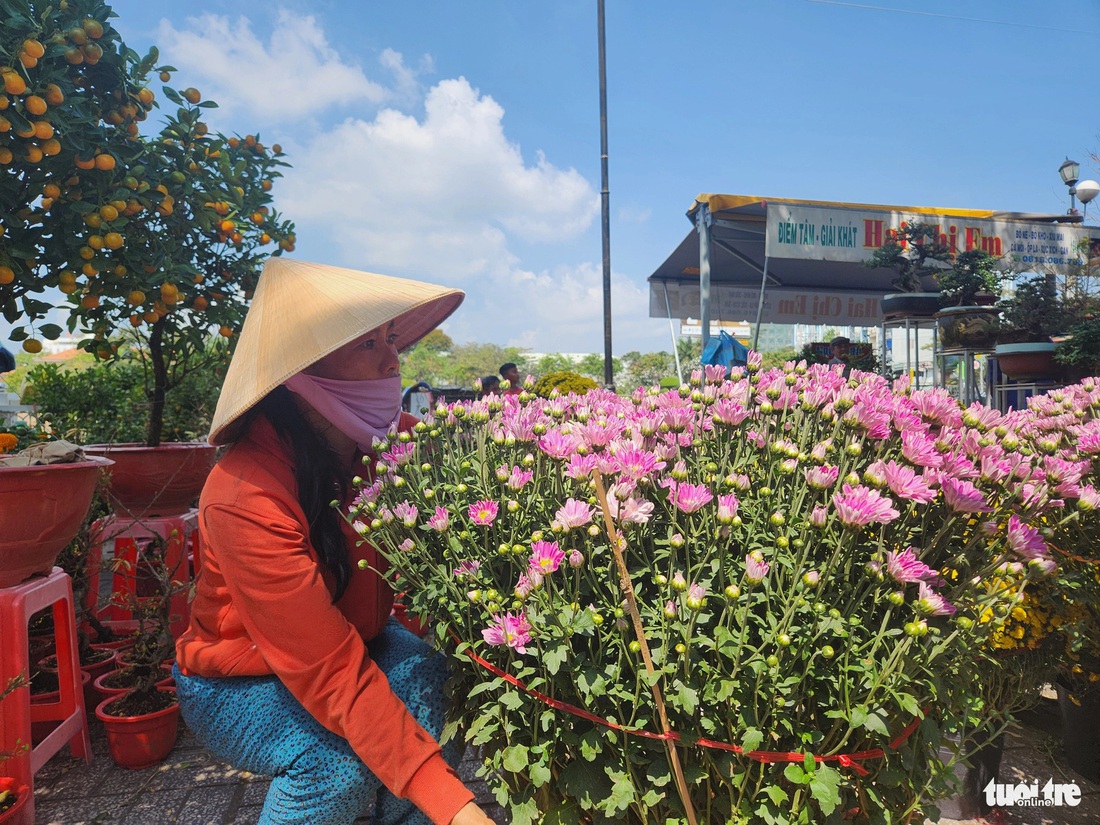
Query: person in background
point(510, 373)
point(490, 385)
point(840, 348)
point(292, 665)
point(7, 360)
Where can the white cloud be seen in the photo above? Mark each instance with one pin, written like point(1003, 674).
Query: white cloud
point(296, 73)
point(441, 195)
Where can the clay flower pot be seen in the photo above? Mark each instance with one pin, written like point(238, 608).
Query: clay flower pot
point(1027, 362)
point(22, 793)
point(138, 742)
point(43, 509)
point(155, 481)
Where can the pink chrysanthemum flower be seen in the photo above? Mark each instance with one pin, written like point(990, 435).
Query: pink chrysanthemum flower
point(963, 497)
point(468, 569)
point(546, 556)
point(573, 514)
point(633, 464)
point(1090, 498)
point(407, 513)
point(860, 506)
point(407, 545)
point(904, 482)
point(509, 630)
point(441, 520)
point(518, 478)
point(822, 478)
point(1025, 541)
point(728, 412)
point(920, 449)
point(819, 516)
point(756, 569)
point(559, 445)
point(906, 567)
point(580, 466)
point(636, 511)
point(932, 603)
point(687, 498)
point(576, 559)
point(527, 582)
point(727, 508)
point(484, 512)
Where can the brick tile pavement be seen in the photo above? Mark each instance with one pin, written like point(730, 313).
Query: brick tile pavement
point(193, 788)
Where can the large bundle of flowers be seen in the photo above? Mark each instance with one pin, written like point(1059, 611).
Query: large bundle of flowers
point(808, 559)
point(1063, 429)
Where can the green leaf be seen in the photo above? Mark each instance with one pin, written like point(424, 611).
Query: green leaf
point(688, 699)
point(554, 658)
point(539, 774)
point(825, 788)
point(512, 700)
point(585, 782)
point(858, 717)
point(908, 704)
point(776, 794)
point(752, 739)
point(515, 758)
point(651, 797)
point(524, 813)
point(874, 722)
point(795, 774)
point(621, 797)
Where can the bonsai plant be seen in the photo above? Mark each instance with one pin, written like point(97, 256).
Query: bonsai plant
point(917, 252)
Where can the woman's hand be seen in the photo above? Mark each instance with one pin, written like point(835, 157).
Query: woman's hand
point(471, 814)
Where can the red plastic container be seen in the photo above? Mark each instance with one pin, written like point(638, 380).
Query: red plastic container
point(138, 742)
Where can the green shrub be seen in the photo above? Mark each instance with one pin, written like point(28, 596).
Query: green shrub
point(107, 402)
point(564, 382)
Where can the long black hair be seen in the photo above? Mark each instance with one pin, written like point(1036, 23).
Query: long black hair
point(320, 479)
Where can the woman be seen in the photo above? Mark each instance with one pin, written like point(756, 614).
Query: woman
point(291, 665)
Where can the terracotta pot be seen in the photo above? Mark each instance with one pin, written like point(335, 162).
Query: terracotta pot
point(1028, 362)
point(22, 794)
point(91, 671)
point(138, 742)
point(910, 305)
point(155, 481)
point(43, 509)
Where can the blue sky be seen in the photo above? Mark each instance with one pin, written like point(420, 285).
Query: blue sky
point(459, 141)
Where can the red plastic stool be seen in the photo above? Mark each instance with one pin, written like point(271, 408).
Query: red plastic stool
point(17, 605)
point(125, 540)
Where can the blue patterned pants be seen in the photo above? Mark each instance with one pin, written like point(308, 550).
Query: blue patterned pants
point(254, 723)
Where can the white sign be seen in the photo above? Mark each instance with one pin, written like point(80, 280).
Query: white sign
point(825, 233)
point(782, 305)
point(1028, 794)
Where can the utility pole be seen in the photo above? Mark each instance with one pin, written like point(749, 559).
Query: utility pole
point(605, 203)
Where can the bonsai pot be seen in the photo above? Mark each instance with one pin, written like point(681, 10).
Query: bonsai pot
point(9, 788)
point(113, 684)
point(1028, 362)
point(140, 741)
point(910, 305)
point(969, 327)
point(972, 774)
point(45, 691)
point(155, 481)
point(43, 509)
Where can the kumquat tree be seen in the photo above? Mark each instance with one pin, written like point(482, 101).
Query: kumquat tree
point(158, 238)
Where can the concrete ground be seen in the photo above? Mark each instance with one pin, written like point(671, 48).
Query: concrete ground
point(193, 788)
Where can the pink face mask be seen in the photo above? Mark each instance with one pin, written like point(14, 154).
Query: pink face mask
point(361, 410)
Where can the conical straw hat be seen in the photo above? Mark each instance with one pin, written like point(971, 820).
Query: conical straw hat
point(301, 312)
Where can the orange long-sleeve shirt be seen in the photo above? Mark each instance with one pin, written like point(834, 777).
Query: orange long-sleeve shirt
point(263, 605)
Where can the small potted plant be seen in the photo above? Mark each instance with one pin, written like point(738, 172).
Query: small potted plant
point(917, 252)
point(142, 722)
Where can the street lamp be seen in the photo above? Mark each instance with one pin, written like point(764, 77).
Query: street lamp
point(1086, 191)
point(1069, 172)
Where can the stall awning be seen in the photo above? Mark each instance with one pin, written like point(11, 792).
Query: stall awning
point(814, 254)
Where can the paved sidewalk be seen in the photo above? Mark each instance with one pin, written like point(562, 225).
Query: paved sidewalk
point(193, 788)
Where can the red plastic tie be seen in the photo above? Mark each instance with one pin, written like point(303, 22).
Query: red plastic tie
point(845, 760)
